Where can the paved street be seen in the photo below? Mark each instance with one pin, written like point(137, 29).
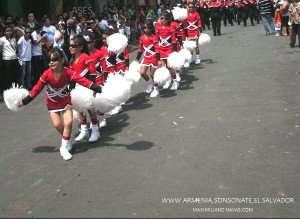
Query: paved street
point(226, 144)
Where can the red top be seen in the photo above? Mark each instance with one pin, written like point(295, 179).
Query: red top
point(97, 56)
point(83, 65)
point(165, 35)
point(106, 63)
point(193, 24)
point(58, 95)
point(121, 60)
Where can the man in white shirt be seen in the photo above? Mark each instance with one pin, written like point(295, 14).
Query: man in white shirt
point(24, 45)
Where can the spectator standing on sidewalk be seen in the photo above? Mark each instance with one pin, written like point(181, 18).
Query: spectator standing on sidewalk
point(265, 9)
point(294, 13)
point(10, 64)
point(31, 21)
point(24, 44)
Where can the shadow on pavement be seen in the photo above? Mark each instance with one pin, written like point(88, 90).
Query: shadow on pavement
point(45, 149)
point(208, 61)
point(138, 102)
point(187, 81)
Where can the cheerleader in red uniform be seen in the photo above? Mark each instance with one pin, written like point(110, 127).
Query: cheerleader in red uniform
point(84, 65)
point(167, 44)
point(97, 55)
point(122, 64)
point(181, 34)
point(109, 63)
point(58, 98)
point(194, 24)
point(149, 44)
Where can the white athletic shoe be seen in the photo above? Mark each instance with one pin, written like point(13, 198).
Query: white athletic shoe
point(65, 153)
point(186, 65)
point(167, 84)
point(95, 135)
point(149, 87)
point(69, 146)
point(198, 61)
point(102, 123)
point(155, 92)
point(175, 85)
point(178, 78)
point(84, 134)
point(115, 111)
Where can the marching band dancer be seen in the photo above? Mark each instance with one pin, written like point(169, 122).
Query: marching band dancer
point(149, 44)
point(216, 16)
point(203, 11)
point(58, 98)
point(241, 12)
point(251, 10)
point(230, 15)
point(84, 65)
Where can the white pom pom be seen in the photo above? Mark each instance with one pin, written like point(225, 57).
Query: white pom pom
point(117, 43)
point(186, 54)
point(102, 104)
point(82, 98)
point(134, 66)
point(179, 13)
point(189, 45)
point(161, 76)
point(133, 75)
point(116, 89)
point(75, 115)
point(204, 39)
point(175, 61)
point(13, 95)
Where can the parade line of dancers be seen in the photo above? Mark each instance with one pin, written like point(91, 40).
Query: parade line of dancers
point(91, 67)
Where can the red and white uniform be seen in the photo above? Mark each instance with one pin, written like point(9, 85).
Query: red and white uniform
point(58, 96)
point(193, 24)
point(97, 57)
point(84, 65)
point(180, 27)
point(106, 63)
point(149, 44)
point(166, 38)
point(121, 61)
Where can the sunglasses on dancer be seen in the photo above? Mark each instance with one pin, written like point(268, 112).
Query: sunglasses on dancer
point(74, 46)
point(55, 59)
